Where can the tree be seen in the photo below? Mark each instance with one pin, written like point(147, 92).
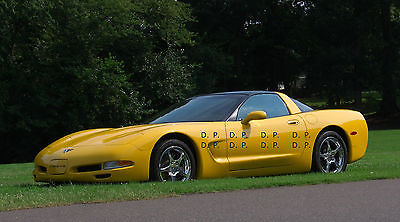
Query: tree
point(246, 45)
point(390, 55)
point(344, 49)
point(71, 65)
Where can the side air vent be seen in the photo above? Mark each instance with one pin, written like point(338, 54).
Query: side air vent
point(103, 176)
point(89, 168)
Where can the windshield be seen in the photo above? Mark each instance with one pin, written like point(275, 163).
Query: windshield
point(209, 108)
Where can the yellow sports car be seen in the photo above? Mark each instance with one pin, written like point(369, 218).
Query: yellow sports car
point(238, 134)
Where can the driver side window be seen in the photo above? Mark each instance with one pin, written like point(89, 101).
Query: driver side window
point(271, 104)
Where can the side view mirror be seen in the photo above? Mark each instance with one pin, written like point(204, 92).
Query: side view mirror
point(255, 115)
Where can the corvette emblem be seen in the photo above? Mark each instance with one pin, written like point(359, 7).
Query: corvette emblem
point(67, 150)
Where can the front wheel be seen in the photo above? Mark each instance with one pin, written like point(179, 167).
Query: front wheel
point(172, 161)
point(330, 153)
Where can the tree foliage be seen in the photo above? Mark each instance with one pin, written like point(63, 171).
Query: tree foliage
point(339, 46)
point(72, 65)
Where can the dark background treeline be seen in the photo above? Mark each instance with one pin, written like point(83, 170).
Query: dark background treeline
point(69, 65)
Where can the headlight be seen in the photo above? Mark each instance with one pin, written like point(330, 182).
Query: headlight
point(117, 164)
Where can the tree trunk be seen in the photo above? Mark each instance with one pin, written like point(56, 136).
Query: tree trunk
point(331, 100)
point(358, 58)
point(358, 97)
point(389, 60)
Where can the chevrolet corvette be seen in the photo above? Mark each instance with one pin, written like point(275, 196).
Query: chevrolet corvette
point(230, 134)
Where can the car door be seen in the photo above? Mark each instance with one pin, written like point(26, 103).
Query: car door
point(275, 141)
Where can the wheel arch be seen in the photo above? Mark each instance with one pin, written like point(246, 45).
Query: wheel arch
point(179, 136)
point(338, 130)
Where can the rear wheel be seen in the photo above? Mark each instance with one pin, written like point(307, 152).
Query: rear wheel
point(330, 153)
point(173, 161)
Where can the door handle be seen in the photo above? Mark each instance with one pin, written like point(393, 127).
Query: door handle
point(293, 122)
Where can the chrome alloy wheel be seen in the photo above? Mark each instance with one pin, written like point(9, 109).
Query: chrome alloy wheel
point(174, 164)
point(331, 155)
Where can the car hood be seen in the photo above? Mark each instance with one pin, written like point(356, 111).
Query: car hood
point(113, 136)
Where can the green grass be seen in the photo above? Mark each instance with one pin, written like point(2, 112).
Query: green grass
point(17, 189)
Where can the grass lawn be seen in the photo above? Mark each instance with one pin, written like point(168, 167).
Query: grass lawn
point(18, 191)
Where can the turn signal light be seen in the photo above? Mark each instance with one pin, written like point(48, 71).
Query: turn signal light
point(117, 164)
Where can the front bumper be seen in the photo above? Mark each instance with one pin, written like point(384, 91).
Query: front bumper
point(115, 175)
point(85, 164)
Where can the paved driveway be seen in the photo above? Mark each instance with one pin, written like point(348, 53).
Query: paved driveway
point(377, 200)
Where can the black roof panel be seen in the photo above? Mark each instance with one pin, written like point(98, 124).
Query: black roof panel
point(243, 92)
point(247, 93)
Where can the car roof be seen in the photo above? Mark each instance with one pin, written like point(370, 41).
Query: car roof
point(248, 93)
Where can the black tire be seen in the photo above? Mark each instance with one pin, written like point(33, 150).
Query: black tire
point(181, 167)
point(325, 159)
